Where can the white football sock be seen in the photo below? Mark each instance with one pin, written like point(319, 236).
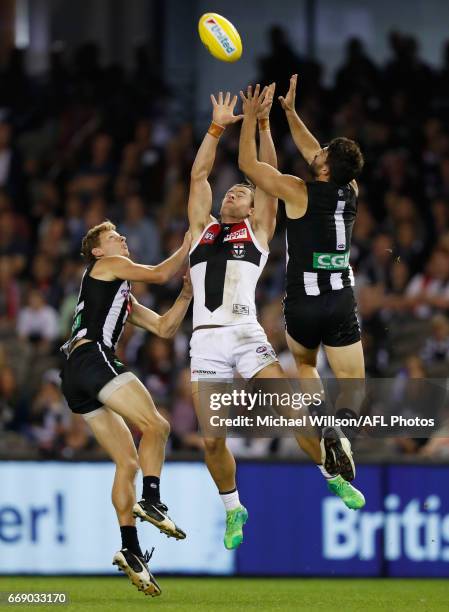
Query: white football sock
point(325, 473)
point(230, 500)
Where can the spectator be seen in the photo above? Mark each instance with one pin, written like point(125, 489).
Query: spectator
point(38, 322)
point(141, 232)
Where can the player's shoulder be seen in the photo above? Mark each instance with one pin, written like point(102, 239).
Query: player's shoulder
point(105, 268)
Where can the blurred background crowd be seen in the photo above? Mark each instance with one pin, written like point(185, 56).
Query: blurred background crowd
point(84, 142)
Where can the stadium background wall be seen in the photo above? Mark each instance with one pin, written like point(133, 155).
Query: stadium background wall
point(403, 531)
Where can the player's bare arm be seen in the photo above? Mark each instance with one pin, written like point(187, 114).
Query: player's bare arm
point(305, 141)
point(289, 188)
point(200, 195)
point(119, 266)
point(165, 325)
point(263, 219)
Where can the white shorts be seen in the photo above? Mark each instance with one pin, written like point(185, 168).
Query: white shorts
point(217, 351)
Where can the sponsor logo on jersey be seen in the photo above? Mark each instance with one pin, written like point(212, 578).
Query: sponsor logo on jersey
point(261, 349)
point(210, 235)
point(240, 309)
point(240, 234)
point(330, 261)
point(238, 251)
point(219, 35)
point(204, 372)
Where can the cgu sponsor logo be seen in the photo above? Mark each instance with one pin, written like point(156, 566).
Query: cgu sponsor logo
point(417, 532)
point(240, 234)
point(219, 35)
point(330, 261)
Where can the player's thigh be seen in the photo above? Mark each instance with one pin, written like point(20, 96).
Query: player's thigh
point(273, 370)
point(302, 354)
point(346, 361)
point(251, 350)
point(134, 403)
point(206, 396)
point(114, 436)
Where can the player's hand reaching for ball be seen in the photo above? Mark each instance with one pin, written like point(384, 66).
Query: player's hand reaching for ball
point(288, 103)
point(223, 109)
point(255, 103)
point(267, 101)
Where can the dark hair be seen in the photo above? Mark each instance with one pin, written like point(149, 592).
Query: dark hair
point(345, 160)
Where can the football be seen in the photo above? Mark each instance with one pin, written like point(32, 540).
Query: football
point(220, 37)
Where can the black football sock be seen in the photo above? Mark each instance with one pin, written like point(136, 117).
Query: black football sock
point(350, 429)
point(130, 540)
point(151, 489)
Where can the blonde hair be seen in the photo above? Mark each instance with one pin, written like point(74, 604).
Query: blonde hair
point(92, 239)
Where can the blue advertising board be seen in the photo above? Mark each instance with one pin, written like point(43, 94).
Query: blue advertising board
point(63, 521)
point(297, 527)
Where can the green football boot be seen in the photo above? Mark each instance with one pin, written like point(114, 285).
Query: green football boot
point(235, 519)
point(349, 495)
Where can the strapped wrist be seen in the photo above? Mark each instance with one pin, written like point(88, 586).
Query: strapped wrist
point(264, 124)
point(215, 129)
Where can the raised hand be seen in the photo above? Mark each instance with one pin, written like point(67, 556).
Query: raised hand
point(256, 102)
point(265, 107)
point(288, 103)
point(223, 110)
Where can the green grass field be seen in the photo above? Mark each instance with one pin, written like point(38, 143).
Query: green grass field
point(239, 594)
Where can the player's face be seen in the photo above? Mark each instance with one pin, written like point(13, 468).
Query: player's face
point(238, 203)
point(112, 243)
point(319, 163)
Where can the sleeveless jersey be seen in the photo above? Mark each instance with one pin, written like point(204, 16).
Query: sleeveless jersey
point(318, 244)
point(101, 311)
point(225, 265)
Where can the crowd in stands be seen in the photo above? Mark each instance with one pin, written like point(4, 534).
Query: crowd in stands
point(86, 142)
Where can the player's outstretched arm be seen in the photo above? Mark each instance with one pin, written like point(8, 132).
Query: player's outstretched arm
point(265, 205)
point(305, 141)
point(289, 188)
point(121, 267)
point(200, 195)
point(168, 324)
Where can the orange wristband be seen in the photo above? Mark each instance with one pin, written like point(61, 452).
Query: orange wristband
point(264, 124)
point(215, 129)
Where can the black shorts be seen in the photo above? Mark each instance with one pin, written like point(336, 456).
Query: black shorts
point(88, 369)
point(329, 318)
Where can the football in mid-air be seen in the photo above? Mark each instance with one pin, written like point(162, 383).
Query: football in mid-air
point(220, 37)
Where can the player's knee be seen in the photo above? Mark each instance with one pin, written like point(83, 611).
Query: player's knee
point(164, 427)
point(129, 465)
point(214, 445)
point(157, 424)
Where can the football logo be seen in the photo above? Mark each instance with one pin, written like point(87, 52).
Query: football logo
point(238, 251)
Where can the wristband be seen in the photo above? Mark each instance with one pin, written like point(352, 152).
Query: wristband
point(264, 124)
point(215, 129)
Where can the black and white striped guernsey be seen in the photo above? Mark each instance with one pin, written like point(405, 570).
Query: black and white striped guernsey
point(318, 244)
point(101, 311)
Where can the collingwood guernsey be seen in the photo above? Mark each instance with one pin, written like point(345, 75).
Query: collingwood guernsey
point(318, 244)
point(225, 265)
point(101, 311)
